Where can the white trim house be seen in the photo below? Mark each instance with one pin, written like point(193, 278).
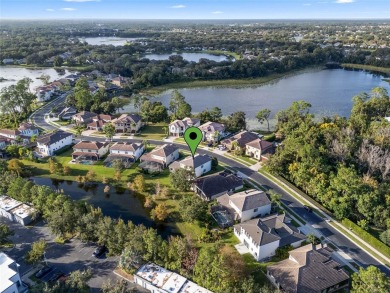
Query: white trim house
point(49, 143)
point(201, 164)
point(10, 281)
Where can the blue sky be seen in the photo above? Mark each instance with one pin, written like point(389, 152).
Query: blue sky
point(195, 9)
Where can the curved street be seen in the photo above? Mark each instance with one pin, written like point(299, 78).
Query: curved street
point(322, 227)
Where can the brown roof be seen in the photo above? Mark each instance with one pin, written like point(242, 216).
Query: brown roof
point(85, 115)
point(212, 127)
point(90, 145)
point(102, 117)
point(84, 154)
point(25, 125)
point(127, 118)
point(125, 146)
point(97, 124)
point(260, 144)
point(309, 269)
point(9, 131)
point(164, 150)
point(242, 138)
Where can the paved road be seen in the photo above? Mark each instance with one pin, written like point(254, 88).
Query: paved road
point(349, 247)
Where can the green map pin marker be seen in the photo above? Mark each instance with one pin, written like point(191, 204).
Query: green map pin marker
point(193, 136)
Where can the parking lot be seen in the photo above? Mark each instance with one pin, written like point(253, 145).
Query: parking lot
point(68, 257)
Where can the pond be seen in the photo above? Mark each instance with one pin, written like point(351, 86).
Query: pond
point(115, 41)
point(125, 205)
point(195, 57)
point(12, 74)
point(329, 92)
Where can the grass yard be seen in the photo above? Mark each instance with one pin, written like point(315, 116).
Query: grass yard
point(153, 131)
point(257, 269)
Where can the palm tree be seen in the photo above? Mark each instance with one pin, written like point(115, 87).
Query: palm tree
point(216, 136)
point(165, 129)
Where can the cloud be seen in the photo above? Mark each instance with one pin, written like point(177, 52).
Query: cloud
point(178, 6)
point(68, 9)
point(80, 1)
point(217, 12)
point(49, 9)
point(344, 1)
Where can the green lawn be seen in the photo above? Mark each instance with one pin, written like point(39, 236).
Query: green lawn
point(384, 70)
point(153, 131)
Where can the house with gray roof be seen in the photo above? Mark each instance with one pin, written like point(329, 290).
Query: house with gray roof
point(159, 158)
point(246, 205)
point(212, 131)
point(309, 269)
point(240, 140)
point(49, 143)
point(178, 127)
point(201, 164)
point(212, 186)
point(263, 236)
point(127, 123)
point(84, 117)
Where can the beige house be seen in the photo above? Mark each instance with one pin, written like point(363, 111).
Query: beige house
point(178, 127)
point(127, 123)
point(212, 131)
point(90, 150)
point(258, 148)
point(159, 158)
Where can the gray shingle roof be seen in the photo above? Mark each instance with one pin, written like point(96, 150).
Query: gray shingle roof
point(54, 137)
point(188, 162)
point(218, 183)
point(250, 199)
point(242, 138)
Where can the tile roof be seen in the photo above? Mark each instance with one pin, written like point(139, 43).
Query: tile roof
point(218, 183)
point(242, 138)
point(250, 199)
point(308, 269)
point(269, 229)
point(90, 145)
point(53, 137)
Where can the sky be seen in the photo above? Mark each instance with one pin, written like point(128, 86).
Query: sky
point(195, 9)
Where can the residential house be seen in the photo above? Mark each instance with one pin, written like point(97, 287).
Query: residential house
point(240, 140)
point(127, 123)
point(309, 269)
point(264, 235)
point(246, 205)
point(11, 281)
point(3, 143)
point(27, 129)
point(13, 136)
point(90, 150)
point(201, 164)
point(159, 158)
point(84, 117)
point(98, 122)
point(157, 279)
point(65, 113)
point(212, 131)
point(127, 152)
point(120, 81)
point(178, 127)
point(259, 148)
point(215, 185)
point(49, 143)
point(16, 211)
point(8, 61)
point(45, 92)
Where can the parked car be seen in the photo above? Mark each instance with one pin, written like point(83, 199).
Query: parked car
point(56, 276)
point(307, 208)
point(43, 271)
point(99, 251)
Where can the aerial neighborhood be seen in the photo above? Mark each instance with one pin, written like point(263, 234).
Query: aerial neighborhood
point(103, 190)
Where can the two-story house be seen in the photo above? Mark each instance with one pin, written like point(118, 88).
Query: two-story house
point(27, 129)
point(212, 131)
point(178, 127)
point(90, 150)
point(263, 236)
point(246, 205)
point(11, 281)
point(310, 268)
point(239, 140)
point(215, 185)
point(99, 121)
point(49, 143)
point(13, 136)
point(127, 123)
point(83, 117)
point(126, 152)
point(201, 164)
point(159, 158)
point(258, 148)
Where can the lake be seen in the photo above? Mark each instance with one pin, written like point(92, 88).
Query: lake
point(329, 91)
point(13, 74)
point(115, 41)
point(195, 57)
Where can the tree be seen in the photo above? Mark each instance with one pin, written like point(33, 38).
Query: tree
point(79, 129)
point(178, 106)
point(58, 61)
point(139, 183)
point(311, 238)
point(35, 255)
point(181, 179)
point(275, 198)
point(370, 280)
point(192, 208)
point(236, 121)
point(78, 281)
point(5, 232)
point(16, 166)
point(109, 130)
point(160, 212)
point(215, 114)
point(385, 237)
point(118, 165)
point(263, 115)
point(214, 163)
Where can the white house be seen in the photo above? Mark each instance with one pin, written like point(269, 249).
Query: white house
point(45, 92)
point(157, 279)
point(127, 123)
point(264, 235)
point(160, 157)
point(49, 143)
point(178, 127)
point(13, 134)
point(246, 205)
point(90, 150)
point(127, 152)
point(16, 211)
point(201, 164)
point(10, 281)
point(212, 131)
point(258, 148)
point(27, 129)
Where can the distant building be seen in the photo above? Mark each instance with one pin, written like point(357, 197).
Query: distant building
point(215, 185)
point(201, 164)
point(10, 280)
point(49, 143)
point(16, 211)
point(156, 279)
point(309, 269)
